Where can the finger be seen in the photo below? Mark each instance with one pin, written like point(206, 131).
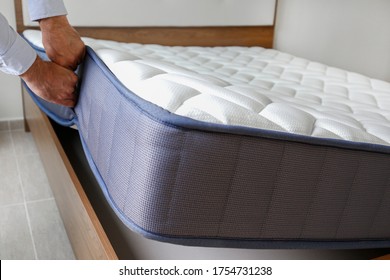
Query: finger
point(72, 98)
point(66, 62)
point(72, 66)
point(79, 57)
point(68, 102)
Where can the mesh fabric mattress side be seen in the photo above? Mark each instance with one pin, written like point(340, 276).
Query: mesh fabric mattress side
point(214, 188)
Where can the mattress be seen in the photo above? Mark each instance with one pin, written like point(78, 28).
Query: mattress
point(234, 146)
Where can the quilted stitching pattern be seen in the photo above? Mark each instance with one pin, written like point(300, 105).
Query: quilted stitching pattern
point(254, 87)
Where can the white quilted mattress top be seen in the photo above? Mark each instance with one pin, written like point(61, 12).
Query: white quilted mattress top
point(252, 87)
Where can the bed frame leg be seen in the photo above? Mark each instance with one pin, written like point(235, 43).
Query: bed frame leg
point(26, 126)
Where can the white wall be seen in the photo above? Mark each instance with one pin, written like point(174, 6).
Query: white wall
point(169, 12)
point(10, 93)
point(350, 34)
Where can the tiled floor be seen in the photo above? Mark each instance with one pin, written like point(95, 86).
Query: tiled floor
point(30, 225)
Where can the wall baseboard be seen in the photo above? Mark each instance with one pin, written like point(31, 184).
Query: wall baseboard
point(8, 125)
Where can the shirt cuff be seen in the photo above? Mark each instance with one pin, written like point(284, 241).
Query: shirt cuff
point(19, 58)
point(40, 9)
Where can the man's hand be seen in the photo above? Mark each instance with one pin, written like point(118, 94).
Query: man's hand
point(62, 43)
point(52, 82)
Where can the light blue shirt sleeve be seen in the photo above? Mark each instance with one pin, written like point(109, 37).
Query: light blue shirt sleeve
point(46, 8)
point(16, 56)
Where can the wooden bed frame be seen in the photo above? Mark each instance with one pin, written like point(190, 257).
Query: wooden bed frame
point(85, 231)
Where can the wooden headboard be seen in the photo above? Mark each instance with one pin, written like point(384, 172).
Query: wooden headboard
point(243, 34)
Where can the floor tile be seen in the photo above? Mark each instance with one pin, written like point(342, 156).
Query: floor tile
point(50, 239)
point(23, 143)
point(4, 125)
point(30, 225)
point(34, 180)
point(15, 237)
point(6, 146)
point(10, 185)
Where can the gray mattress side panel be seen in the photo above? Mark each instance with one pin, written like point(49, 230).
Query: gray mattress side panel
point(176, 182)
